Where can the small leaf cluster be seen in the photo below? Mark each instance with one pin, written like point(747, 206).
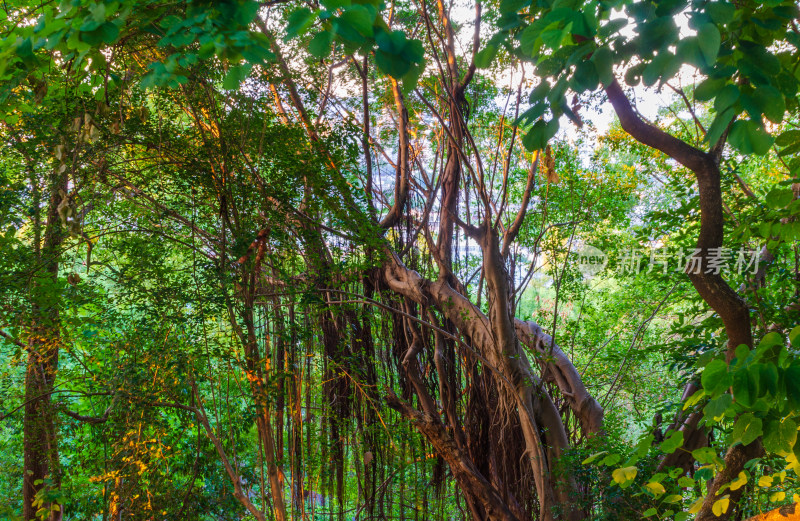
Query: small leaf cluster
point(359, 26)
point(575, 45)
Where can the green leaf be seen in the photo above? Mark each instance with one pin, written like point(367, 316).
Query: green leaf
point(767, 379)
point(726, 97)
point(668, 63)
point(773, 338)
point(749, 137)
point(109, 32)
point(746, 429)
point(644, 445)
point(709, 40)
point(791, 378)
point(246, 12)
point(299, 21)
point(611, 27)
point(794, 336)
point(715, 378)
point(787, 138)
point(356, 21)
point(689, 51)
point(235, 76)
point(320, 44)
point(718, 126)
point(709, 88)
point(539, 92)
point(541, 132)
point(706, 455)
point(673, 441)
point(716, 408)
point(592, 458)
point(741, 355)
point(721, 12)
point(486, 56)
point(686, 482)
point(553, 37)
point(649, 512)
point(603, 60)
point(745, 387)
point(389, 64)
point(611, 459)
point(780, 436)
point(779, 198)
point(529, 42)
point(586, 77)
point(771, 102)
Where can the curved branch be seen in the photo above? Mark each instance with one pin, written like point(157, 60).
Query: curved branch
point(731, 308)
point(402, 170)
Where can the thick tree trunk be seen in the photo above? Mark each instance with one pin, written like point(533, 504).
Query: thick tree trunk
point(496, 339)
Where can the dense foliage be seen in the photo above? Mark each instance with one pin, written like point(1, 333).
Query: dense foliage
point(514, 260)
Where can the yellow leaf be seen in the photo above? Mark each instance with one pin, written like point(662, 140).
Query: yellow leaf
point(693, 399)
point(739, 482)
point(656, 488)
point(765, 481)
point(778, 496)
point(624, 474)
point(793, 464)
point(720, 506)
point(695, 507)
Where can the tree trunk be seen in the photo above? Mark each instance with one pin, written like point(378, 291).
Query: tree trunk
point(41, 469)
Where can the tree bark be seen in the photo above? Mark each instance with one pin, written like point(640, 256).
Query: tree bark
point(41, 467)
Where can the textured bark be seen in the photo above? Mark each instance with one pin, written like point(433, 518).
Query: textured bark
point(258, 388)
point(735, 459)
point(730, 307)
point(451, 177)
point(40, 443)
point(495, 337)
point(469, 478)
point(557, 368)
point(403, 173)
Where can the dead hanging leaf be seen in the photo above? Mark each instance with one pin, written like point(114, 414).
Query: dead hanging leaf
point(549, 166)
point(40, 92)
point(367, 458)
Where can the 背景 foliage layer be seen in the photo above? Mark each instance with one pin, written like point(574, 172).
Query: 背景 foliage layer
point(285, 260)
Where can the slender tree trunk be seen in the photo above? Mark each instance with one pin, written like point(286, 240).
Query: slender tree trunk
point(41, 469)
point(713, 289)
